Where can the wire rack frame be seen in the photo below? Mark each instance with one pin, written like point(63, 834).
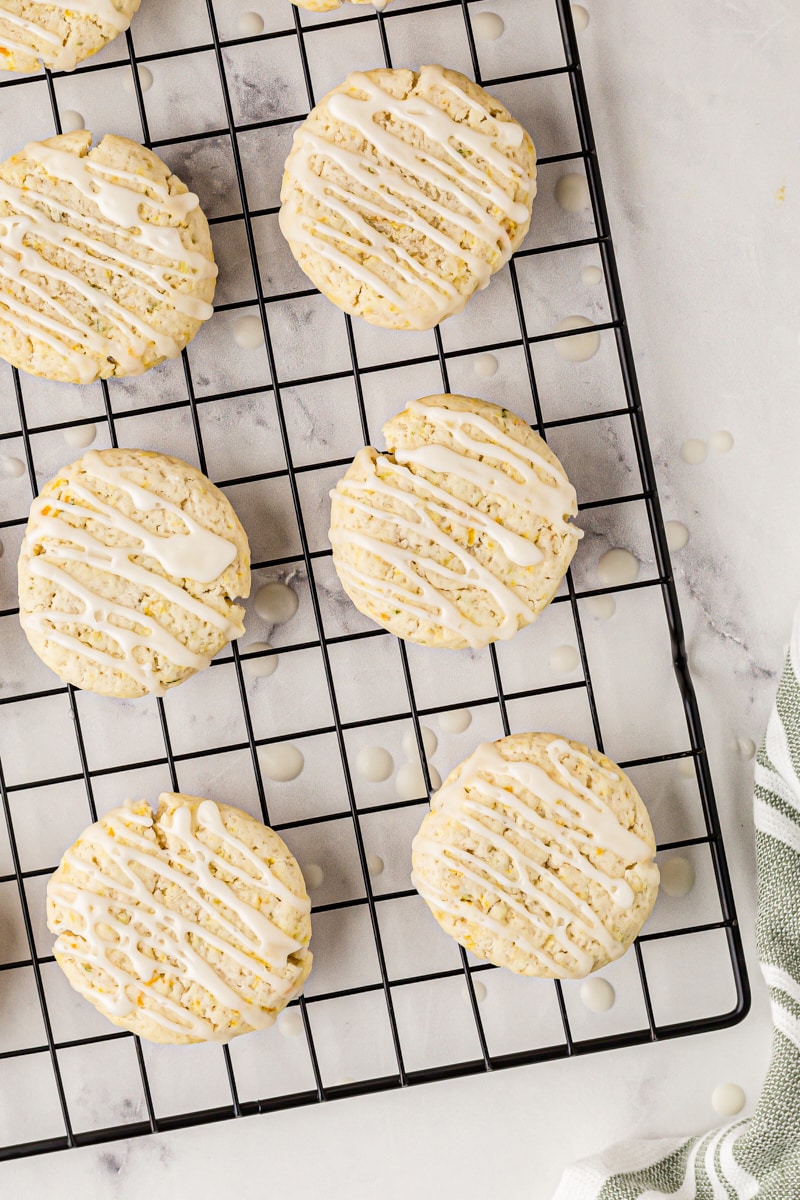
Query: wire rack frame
point(403, 1077)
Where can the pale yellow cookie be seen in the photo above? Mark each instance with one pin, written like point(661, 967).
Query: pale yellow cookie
point(537, 855)
point(190, 924)
point(128, 572)
point(58, 33)
point(107, 265)
point(404, 192)
point(459, 533)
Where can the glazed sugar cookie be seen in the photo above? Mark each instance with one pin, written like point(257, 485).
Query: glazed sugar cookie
point(404, 192)
point(188, 925)
point(538, 856)
point(457, 535)
point(58, 33)
point(128, 572)
point(106, 266)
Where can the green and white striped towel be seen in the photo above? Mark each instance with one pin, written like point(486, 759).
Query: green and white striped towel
point(758, 1157)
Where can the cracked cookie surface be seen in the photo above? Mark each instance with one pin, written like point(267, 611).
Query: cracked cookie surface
point(188, 924)
point(128, 573)
point(106, 263)
point(404, 192)
point(58, 33)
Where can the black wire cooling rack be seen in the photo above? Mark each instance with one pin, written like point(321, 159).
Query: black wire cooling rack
point(43, 1064)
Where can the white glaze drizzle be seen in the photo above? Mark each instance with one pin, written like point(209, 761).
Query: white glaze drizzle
point(113, 192)
point(549, 501)
point(392, 171)
point(106, 10)
point(64, 58)
point(251, 941)
point(580, 823)
point(199, 554)
point(553, 500)
point(31, 27)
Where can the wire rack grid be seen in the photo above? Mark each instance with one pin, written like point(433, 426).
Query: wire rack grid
point(61, 1071)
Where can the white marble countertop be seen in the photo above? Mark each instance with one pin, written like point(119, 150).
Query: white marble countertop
point(698, 144)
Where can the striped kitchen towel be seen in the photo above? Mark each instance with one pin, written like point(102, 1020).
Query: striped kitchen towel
point(760, 1156)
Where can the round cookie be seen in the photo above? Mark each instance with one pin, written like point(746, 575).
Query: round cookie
point(404, 192)
point(128, 572)
point(190, 924)
point(457, 535)
point(106, 265)
point(537, 855)
point(58, 33)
